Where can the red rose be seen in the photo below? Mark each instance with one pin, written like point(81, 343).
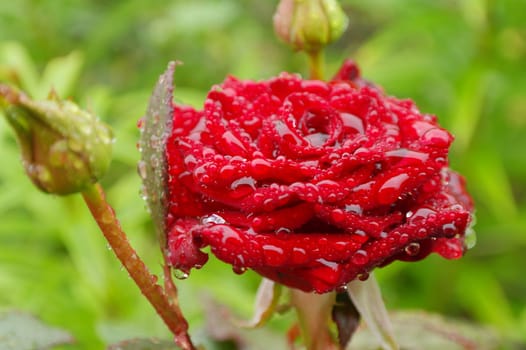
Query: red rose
point(310, 183)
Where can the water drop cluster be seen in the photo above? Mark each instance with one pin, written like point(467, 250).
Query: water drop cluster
point(311, 184)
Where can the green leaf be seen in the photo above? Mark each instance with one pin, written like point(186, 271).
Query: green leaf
point(144, 344)
point(16, 57)
point(419, 330)
point(156, 129)
point(367, 298)
point(61, 74)
point(267, 299)
point(21, 331)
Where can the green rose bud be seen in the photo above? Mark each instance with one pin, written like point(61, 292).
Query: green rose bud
point(64, 149)
point(309, 25)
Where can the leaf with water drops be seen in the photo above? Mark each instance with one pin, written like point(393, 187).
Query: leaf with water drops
point(155, 128)
point(21, 331)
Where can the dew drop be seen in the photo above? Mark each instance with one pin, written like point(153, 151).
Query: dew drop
point(239, 269)
point(354, 208)
point(392, 188)
point(341, 289)
point(470, 238)
point(350, 121)
point(405, 154)
point(106, 217)
point(317, 139)
point(421, 215)
point(437, 137)
point(360, 258)
point(449, 228)
point(179, 274)
point(141, 169)
point(330, 264)
point(274, 255)
point(363, 276)
point(412, 249)
point(404, 238)
point(283, 230)
point(244, 181)
point(299, 255)
point(212, 219)
point(338, 216)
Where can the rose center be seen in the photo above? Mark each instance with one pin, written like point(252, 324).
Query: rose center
point(315, 127)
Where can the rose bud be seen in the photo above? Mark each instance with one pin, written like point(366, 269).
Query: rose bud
point(311, 184)
point(64, 149)
point(309, 25)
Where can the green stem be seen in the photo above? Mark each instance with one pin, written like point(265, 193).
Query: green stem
point(316, 63)
point(314, 312)
point(166, 307)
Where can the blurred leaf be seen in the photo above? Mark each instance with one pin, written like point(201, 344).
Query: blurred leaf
point(491, 183)
point(419, 330)
point(16, 57)
point(144, 344)
point(267, 299)
point(367, 299)
point(61, 74)
point(481, 293)
point(21, 331)
point(469, 105)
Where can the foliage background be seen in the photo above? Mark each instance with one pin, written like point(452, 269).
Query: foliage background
point(462, 60)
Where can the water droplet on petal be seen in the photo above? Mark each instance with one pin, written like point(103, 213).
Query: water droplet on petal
point(449, 228)
point(274, 255)
point(412, 249)
point(421, 215)
point(392, 188)
point(212, 219)
point(360, 258)
point(239, 269)
point(299, 255)
point(354, 208)
point(363, 276)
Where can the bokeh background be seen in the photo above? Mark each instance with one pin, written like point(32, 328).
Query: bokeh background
point(464, 61)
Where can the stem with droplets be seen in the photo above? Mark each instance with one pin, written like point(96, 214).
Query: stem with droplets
point(165, 305)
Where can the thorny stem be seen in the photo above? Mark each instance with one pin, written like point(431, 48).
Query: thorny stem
point(166, 306)
point(316, 61)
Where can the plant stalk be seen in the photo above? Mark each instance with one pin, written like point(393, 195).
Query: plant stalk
point(316, 64)
point(165, 306)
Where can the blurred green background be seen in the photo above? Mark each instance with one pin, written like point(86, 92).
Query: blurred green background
point(462, 60)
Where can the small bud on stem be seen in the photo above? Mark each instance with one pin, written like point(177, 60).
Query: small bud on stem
point(64, 149)
point(309, 25)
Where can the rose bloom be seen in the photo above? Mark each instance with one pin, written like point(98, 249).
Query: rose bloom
point(310, 183)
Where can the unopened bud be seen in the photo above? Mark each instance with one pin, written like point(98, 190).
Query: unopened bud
point(64, 149)
point(309, 25)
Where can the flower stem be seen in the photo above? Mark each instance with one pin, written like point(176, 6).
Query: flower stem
point(166, 307)
point(314, 312)
point(316, 62)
